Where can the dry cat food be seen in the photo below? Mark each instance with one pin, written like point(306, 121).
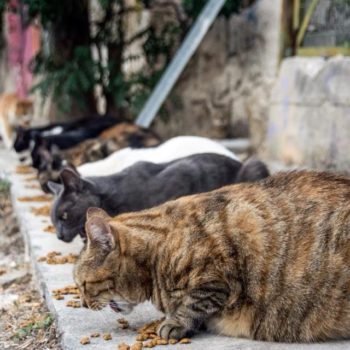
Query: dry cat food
point(123, 323)
point(95, 335)
point(41, 211)
point(107, 336)
point(49, 256)
point(73, 303)
point(147, 337)
point(40, 198)
point(50, 229)
point(68, 290)
point(124, 346)
point(85, 340)
point(56, 258)
point(24, 169)
point(136, 346)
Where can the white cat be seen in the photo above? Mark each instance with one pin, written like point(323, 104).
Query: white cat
point(177, 147)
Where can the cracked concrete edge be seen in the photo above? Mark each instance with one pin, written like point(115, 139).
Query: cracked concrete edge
point(37, 274)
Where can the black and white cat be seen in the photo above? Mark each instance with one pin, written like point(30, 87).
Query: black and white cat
point(142, 186)
point(174, 148)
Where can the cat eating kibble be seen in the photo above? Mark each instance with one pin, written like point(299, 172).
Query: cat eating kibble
point(266, 260)
point(142, 186)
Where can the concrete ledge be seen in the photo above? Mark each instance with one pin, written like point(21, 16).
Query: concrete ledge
point(73, 324)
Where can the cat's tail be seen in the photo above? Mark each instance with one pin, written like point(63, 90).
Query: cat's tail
point(252, 170)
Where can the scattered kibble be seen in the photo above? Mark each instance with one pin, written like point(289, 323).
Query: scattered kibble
point(123, 346)
point(185, 341)
point(136, 346)
point(107, 336)
point(24, 169)
point(73, 303)
point(95, 335)
point(123, 323)
point(55, 258)
point(141, 337)
point(71, 289)
point(41, 211)
point(85, 340)
point(40, 198)
point(50, 229)
point(149, 332)
point(59, 294)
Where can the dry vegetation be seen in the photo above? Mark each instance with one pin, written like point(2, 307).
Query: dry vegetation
point(25, 322)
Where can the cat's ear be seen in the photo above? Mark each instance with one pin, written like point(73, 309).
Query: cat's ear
point(73, 168)
point(54, 187)
point(71, 180)
point(93, 211)
point(99, 234)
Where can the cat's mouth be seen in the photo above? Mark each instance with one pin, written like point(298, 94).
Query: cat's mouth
point(124, 308)
point(114, 306)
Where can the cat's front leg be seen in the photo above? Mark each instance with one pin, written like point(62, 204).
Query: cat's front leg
point(172, 329)
point(197, 307)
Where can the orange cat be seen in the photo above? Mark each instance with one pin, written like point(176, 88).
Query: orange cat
point(13, 112)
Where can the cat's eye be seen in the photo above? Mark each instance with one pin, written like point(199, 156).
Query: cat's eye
point(64, 216)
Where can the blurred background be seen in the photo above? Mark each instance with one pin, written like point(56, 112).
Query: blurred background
point(273, 72)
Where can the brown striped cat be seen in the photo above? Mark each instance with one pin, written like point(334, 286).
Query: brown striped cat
point(267, 260)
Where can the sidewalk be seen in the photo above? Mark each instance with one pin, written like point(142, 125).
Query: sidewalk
point(75, 323)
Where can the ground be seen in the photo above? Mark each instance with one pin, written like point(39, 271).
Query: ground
point(25, 322)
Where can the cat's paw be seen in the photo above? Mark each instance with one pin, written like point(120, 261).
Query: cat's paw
point(171, 329)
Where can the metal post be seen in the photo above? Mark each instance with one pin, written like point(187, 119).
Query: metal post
point(179, 62)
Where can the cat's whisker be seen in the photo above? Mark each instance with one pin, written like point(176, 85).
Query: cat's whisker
point(103, 318)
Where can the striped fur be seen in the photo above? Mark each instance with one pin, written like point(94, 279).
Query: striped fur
point(267, 260)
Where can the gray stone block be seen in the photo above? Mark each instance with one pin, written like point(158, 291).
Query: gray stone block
point(309, 117)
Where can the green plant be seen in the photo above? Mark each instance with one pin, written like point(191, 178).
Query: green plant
point(31, 327)
point(65, 66)
point(5, 185)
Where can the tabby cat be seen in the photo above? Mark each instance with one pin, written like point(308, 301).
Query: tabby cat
point(111, 140)
point(13, 112)
point(267, 260)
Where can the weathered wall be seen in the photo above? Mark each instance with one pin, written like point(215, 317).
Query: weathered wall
point(225, 89)
point(309, 119)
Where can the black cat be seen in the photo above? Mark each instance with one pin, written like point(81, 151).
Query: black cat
point(24, 136)
point(69, 138)
point(142, 186)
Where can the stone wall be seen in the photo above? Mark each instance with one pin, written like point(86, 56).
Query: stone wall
point(225, 89)
point(309, 119)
